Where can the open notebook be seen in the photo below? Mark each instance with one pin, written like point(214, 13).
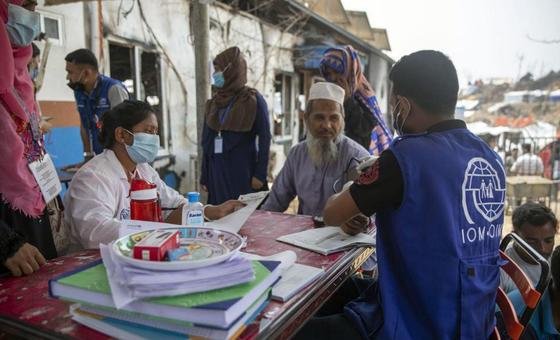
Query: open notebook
point(295, 276)
point(327, 240)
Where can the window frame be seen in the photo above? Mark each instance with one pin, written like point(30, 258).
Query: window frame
point(285, 137)
point(60, 25)
point(138, 49)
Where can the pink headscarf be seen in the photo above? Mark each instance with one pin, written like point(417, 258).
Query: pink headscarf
point(17, 185)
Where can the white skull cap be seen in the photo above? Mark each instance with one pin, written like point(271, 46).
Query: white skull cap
point(329, 91)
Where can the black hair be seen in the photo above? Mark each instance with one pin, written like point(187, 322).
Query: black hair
point(534, 214)
point(36, 50)
point(555, 268)
point(83, 56)
point(429, 78)
point(526, 147)
point(125, 115)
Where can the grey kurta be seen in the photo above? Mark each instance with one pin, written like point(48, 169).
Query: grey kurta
point(311, 184)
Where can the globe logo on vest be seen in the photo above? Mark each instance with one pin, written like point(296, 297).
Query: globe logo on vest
point(483, 191)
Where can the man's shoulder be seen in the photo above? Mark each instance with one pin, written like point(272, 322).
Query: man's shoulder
point(298, 149)
point(110, 81)
point(350, 145)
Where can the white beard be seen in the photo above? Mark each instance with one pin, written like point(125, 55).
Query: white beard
point(322, 151)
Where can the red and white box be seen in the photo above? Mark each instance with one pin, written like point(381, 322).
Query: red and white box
point(154, 246)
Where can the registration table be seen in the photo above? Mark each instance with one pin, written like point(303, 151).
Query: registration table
point(26, 309)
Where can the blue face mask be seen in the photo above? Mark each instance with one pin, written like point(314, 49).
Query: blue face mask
point(144, 148)
point(23, 25)
point(219, 79)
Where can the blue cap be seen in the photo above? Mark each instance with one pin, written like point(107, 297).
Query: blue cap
point(193, 196)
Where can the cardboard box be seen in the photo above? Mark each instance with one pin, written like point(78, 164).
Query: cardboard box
point(154, 246)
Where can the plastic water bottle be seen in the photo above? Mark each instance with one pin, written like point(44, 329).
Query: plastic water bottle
point(193, 215)
point(144, 201)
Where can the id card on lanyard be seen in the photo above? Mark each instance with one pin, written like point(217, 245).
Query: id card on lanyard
point(218, 140)
point(46, 176)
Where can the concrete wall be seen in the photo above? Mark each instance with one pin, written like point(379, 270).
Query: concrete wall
point(378, 77)
point(169, 22)
point(267, 50)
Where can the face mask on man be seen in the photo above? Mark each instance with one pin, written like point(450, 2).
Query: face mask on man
point(23, 25)
point(397, 116)
point(77, 85)
point(144, 147)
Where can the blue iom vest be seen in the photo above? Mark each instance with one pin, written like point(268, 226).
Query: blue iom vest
point(438, 252)
point(91, 108)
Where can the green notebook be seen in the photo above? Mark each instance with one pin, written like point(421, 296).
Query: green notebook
point(217, 308)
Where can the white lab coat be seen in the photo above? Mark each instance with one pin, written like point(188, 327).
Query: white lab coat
point(98, 198)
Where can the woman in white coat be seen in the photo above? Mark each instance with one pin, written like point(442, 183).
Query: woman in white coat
point(98, 196)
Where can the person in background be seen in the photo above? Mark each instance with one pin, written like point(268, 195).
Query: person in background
point(25, 233)
point(98, 196)
point(94, 93)
point(431, 191)
point(528, 164)
point(511, 157)
point(537, 225)
point(545, 322)
point(233, 162)
point(319, 166)
point(33, 65)
point(363, 119)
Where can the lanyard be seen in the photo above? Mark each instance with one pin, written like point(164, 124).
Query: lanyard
point(36, 134)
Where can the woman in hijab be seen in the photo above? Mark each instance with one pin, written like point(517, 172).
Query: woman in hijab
point(364, 121)
point(25, 232)
point(233, 162)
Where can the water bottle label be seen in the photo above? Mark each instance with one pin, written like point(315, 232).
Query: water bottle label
point(195, 217)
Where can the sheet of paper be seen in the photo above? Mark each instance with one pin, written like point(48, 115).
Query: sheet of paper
point(294, 277)
point(234, 221)
point(287, 258)
point(134, 226)
point(326, 240)
point(293, 280)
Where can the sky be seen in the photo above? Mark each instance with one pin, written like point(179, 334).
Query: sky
point(484, 38)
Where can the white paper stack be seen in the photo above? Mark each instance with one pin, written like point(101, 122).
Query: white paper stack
point(129, 283)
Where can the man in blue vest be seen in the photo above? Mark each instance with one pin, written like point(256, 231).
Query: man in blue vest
point(94, 94)
point(438, 193)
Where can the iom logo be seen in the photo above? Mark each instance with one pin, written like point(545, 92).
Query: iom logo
point(483, 191)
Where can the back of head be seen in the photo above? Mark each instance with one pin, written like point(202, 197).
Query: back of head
point(534, 214)
point(430, 79)
point(126, 115)
point(526, 147)
point(84, 57)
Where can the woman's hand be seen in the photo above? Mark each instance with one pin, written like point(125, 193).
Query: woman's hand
point(256, 183)
point(176, 216)
point(25, 261)
point(215, 212)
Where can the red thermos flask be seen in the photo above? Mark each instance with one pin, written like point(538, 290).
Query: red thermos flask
point(144, 201)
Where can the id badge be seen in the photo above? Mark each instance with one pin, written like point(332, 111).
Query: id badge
point(218, 144)
point(45, 174)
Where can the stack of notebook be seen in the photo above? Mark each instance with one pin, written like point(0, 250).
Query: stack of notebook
point(215, 314)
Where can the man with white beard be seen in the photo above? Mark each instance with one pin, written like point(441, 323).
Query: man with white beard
point(317, 167)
